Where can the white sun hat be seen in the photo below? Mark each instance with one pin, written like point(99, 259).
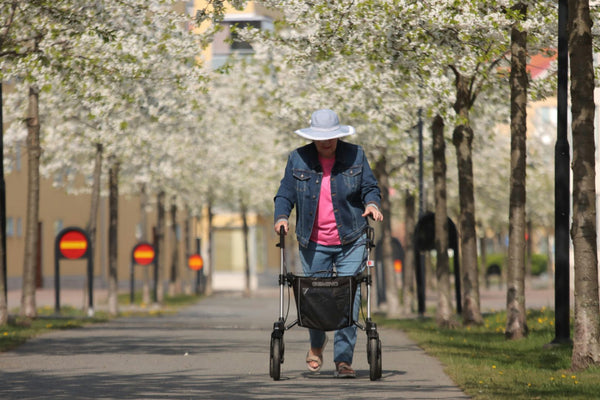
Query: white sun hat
point(324, 125)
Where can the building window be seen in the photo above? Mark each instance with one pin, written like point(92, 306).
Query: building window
point(58, 226)
point(547, 115)
point(10, 228)
point(58, 179)
point(19, 227)
point(228, 41)
point(190, 9)
point(238, 44)
point(544, 124)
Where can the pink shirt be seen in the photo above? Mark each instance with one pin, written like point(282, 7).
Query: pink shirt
point(325, 230)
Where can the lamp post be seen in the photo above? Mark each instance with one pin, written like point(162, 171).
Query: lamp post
point(421, 194)
point(2, 201)
point(562, 188)
point(420, 273)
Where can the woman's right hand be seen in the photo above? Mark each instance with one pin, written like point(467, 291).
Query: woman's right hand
point(281, 223)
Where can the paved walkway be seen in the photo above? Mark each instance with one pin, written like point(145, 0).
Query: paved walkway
point(216, 349)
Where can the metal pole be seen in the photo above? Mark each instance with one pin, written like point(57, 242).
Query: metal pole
point(421, 195)
point(200, 273)
point(90, 271)
point(131, 282)
point(562, 187)
point(420, 275)
point(3, 201)
point(155, 265)
point(57, 274)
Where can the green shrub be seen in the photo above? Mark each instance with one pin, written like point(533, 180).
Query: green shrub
point(494, 258)
point(539, 264)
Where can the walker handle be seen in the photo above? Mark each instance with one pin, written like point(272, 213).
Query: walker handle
point(370, 236)
point(281, 243)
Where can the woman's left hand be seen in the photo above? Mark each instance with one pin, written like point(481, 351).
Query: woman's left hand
point(374, 213)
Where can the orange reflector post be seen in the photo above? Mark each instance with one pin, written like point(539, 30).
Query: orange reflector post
point(195, 262)
point(73, 245)
point(143, 254)
point(398, 265)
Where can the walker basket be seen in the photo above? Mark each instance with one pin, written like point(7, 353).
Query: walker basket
point(324, 303)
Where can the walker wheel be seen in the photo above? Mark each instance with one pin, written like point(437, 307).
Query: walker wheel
point(374, 358)
point(276, 358)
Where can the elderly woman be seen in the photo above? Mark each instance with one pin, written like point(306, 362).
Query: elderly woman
point(330, 183)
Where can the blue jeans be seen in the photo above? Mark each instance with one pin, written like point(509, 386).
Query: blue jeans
point(348, 260)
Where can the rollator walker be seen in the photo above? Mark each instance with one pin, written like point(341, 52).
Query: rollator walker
point(325, 303)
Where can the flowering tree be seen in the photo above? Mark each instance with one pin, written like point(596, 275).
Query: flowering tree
point(335, 55)
point(475, 55)
point(128, 80)
point(385, 61)
point(130, 68)
point(35, 42)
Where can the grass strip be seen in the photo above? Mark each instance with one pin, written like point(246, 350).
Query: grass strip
point(487, 366)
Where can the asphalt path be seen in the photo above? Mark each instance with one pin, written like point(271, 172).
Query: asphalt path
point(216, 349)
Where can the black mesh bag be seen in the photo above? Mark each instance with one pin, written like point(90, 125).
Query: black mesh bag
point(325, 303)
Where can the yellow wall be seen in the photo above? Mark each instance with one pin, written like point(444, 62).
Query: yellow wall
point(252, 7)
point(73, 210)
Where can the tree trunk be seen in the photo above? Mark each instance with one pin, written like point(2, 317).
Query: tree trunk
point(174, 278)
point(244, 210)
point(462, 139)
point(144, 238)
point(94, 205)
point(516, 318)
point(392, 298)
point(586, 334)
point(409, 298)
point(160, 246)
point(444, 305)
point(28, 306)
point(113, 240)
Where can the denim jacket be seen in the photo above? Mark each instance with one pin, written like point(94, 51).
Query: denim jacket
point(353, 187)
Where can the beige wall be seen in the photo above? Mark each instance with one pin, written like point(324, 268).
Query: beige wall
point(58, 210)
point(57, 207)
